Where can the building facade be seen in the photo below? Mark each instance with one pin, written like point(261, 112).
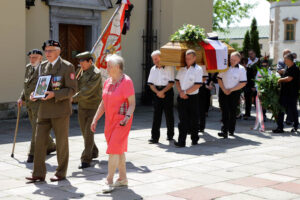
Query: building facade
point(284, 28)
point(77, 24)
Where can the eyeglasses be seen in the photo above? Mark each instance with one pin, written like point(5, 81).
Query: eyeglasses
point(49, 51)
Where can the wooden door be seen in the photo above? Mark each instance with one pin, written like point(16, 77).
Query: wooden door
point(72, 39)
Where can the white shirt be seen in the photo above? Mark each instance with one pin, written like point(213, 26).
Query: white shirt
point(251, 62)
point(233, 76)
point(55, 61)
point(161, 76)
point(189, 77)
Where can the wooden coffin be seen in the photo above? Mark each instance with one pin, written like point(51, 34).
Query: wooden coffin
point(173, 53)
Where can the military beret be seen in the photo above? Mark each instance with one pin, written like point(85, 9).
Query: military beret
point(85, 55)
point(34, 51)
point(52, 43)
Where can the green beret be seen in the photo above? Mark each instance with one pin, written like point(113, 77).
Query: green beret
point(85, 55)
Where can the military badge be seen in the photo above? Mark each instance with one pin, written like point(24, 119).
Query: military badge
point(56, 83)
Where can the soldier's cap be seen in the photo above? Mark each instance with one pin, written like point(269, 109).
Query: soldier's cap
point(85, 55)
point(35, 51)
point(52, 43)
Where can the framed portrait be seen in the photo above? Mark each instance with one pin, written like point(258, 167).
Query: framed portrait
point(42, 87)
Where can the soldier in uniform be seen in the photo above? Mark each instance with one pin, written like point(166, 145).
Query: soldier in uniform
point(31, 78)
point(88, 97)
point(54, 112)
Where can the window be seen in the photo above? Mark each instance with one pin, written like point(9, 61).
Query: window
point(260, 46)
point(289, 29)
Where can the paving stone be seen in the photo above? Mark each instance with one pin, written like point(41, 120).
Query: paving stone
point(253, 182)
point(199, 193)
point(288, 187)
point(269, 193)
point(275, 177)
point(239, 197)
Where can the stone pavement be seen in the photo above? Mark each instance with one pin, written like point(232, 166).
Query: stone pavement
point(250, 165)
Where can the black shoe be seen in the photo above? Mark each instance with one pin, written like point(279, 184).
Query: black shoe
point(201, 130)
point(170, 139)
point(84, 165)
point(245, 117)
point(294, 130)
point(95, 156)
point(278, 130)
point(178, 145)
point(151, 141)
point(231, 134)
point(194, 142)
point(224, 135)
point(51, 151)
point(288, 123)
point(30, 159)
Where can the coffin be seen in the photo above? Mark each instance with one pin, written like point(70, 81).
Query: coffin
point(173, 53)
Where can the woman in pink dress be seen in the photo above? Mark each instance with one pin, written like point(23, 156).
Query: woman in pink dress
point(118, 104)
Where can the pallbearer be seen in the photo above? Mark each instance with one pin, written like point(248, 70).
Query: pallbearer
point(231, 82)
point(188, 81)
point(31, 77)
point(161, 81)
point(89, 96)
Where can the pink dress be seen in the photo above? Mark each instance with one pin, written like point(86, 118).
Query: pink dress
point(114, 98)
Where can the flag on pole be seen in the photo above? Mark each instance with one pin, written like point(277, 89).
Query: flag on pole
point(110, 40)
point(216, 55)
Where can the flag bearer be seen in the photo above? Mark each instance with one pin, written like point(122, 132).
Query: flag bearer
point(89, 96)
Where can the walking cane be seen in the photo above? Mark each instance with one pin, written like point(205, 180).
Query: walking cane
point(16, 131)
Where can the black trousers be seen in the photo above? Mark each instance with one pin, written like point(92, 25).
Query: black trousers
point(248, 94)
point(203, 105)
point(188, 117)
point(228, 104)
point(165, 105)
point(290, 105)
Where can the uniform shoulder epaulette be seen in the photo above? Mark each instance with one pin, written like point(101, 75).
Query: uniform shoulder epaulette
point(67, 63)
point(28, 65)
point(44, 62)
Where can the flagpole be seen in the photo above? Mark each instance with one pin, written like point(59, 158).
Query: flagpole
point(100, 38)
point(106, 27)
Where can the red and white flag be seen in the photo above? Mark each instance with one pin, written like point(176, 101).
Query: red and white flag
point(110, 42)
point(216, 55)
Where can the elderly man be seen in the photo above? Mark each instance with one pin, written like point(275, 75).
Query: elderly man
point(88, 97)
point(231, 82)
point(289, 94)
point(54, 112)
point(281, 66)
point(188, 81)
point(161, 81)
point(31, 78)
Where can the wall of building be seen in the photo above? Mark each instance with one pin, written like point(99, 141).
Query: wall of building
point(37, 26)
point(12, 40)
point(279, 12)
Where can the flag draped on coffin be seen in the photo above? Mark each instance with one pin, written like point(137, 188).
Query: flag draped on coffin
point(110, 42)
point(216, 55)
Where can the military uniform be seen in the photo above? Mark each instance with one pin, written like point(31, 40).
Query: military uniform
point(55, 114)
point(31, 78)
point(89, 96)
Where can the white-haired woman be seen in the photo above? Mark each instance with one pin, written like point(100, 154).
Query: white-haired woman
point(118, 104)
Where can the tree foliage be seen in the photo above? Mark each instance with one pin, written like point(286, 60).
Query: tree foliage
point(246, 44)
point(254, 38)
point(228, 12)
